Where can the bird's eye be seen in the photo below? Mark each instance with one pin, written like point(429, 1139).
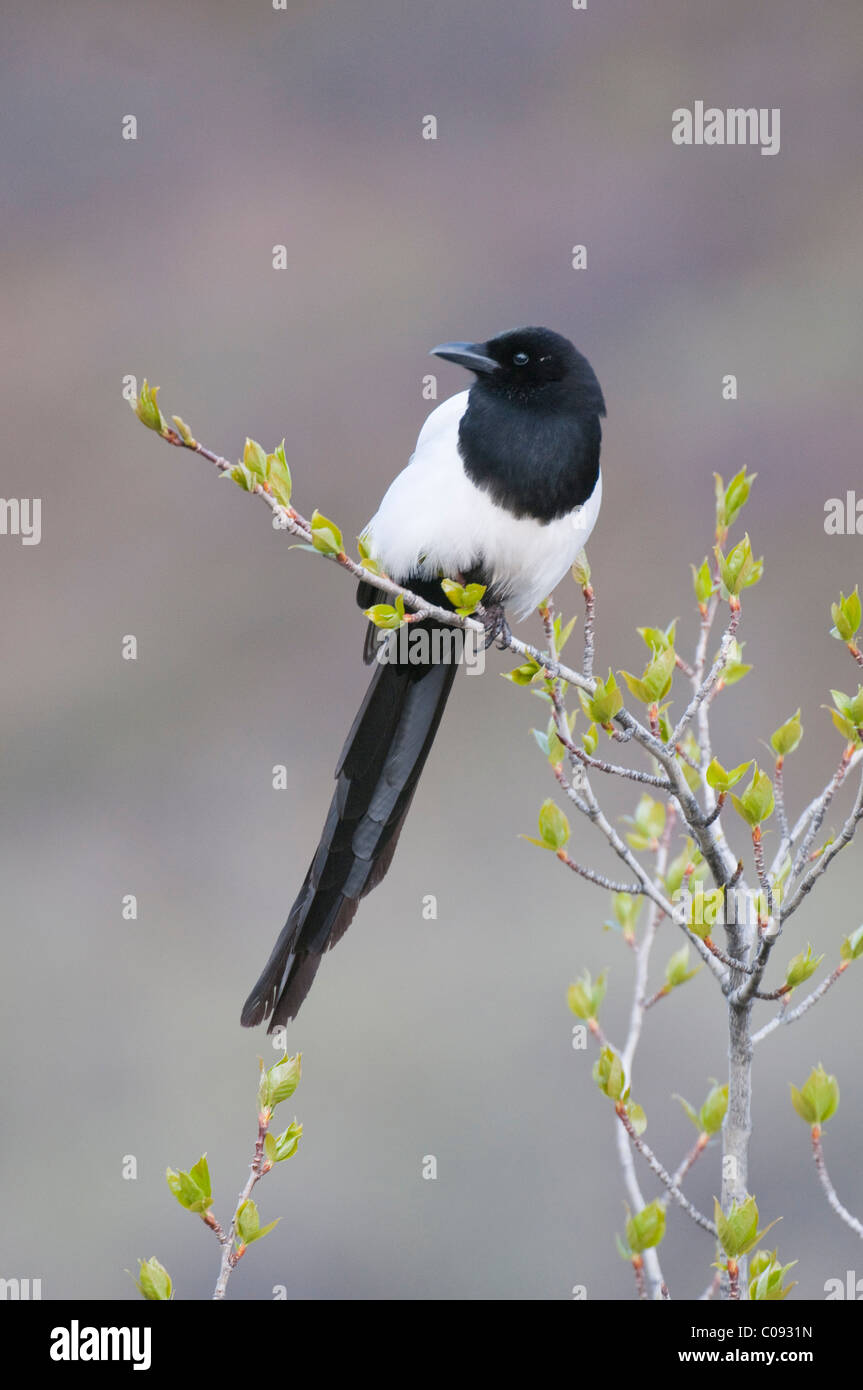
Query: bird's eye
point(520, 359)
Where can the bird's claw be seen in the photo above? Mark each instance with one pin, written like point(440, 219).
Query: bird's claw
point(496, 626)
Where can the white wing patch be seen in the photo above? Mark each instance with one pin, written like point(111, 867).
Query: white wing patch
point(434, 520)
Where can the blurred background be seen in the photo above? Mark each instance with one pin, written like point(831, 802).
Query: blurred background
point(154, 257)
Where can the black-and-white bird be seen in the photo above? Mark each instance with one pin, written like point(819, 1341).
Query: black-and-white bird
point(503, 489)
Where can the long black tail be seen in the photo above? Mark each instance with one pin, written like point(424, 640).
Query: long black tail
point(377, 775)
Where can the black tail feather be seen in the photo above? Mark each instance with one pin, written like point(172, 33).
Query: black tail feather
point(377, 775)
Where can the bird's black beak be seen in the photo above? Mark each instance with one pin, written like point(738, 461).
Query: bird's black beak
point(470, 355)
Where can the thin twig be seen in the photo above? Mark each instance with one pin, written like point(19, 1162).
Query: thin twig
point(791, 1015)
point(662, 1173)
point(842, 1212)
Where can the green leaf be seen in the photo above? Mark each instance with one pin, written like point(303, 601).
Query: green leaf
point(818, 1098)
point(646, 1228)
point(785, 739)
point(553, 826)
point(846, 617)
point(154, 1281)
point(326, 536)
point(280, 1082)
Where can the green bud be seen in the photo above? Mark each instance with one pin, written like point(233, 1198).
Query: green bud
point(279, 1082)
point(326, 535)
point(524, 675)
point(255, 459)
point(183, 431)
point(801, 966)
point(147, 409)
point(818, 1098)
point(756, 803)
point(279, 1147)
point(464, 598)
point(637, 1118)
point(385, 615)
point(249, 1228)
point(852, 946)
point(738, 1230)
point(712, 1112)
point(581, 570)
point(676, 971)
point(585, 996)
point(786, 738)
point(734, 669)
point(278, 475)
point(722, 781)
point(767, 1276)
point(626, 909)
point(657, 638)
point(648, 823)
point(846, 617)
point(702, 583)
point(589, 741)
point(739, 569)
point(731, 500)
point(655, 682)
point(605, 702)
point(154, 1281)
point(193, 1190)
point(553, 826)
point(609, 1075)
point(848, 714)
point(646, 1228)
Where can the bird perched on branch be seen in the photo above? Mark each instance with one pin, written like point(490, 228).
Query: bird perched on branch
point(503, 490)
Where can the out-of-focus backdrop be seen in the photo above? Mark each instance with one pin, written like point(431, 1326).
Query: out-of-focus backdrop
point(154, 257)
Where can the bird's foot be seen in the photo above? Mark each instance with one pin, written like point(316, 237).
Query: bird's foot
point(496, 626)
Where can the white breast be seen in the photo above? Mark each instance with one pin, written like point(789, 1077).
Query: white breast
point(434, 520)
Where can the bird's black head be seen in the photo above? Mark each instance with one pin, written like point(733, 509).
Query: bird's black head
point(530, 364)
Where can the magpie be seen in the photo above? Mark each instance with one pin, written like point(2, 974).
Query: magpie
point(503, 489)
